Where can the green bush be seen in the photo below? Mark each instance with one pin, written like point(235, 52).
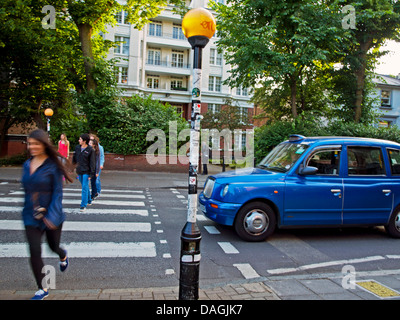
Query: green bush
point(122, 124)
point(14, 160)
point(270, 135)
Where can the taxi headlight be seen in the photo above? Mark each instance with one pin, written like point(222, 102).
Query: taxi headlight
point(225, 190)
point(208, 188)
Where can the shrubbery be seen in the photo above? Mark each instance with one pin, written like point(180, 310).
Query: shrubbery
point(122, 123)
point(268, 136)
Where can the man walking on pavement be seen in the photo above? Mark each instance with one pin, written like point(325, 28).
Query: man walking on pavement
point(85, 159)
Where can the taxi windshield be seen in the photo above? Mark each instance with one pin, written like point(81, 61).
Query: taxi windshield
point(283, 157)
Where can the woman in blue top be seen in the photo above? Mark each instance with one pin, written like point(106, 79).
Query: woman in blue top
point(42, 213)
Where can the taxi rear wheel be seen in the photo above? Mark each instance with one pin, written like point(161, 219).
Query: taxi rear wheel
point(255, 222)
point(393, 227)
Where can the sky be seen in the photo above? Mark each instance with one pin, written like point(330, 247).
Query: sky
point(390, 63)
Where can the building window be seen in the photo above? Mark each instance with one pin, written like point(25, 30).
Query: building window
point(153, 82)
point(215, 57)
point(177, 60)
point(243, 113)
point(176, 84)
point(121, 17)
point(155, 29)
point(122, 45)
point(240, 91)
point(385, 98)
point(214, 108)
point(385, 123)
point(154, 57)
point(177, 32)
point(121, 74)
point(214, 84)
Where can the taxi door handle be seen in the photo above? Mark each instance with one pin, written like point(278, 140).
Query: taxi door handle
point(337, 192)
point(387, 192)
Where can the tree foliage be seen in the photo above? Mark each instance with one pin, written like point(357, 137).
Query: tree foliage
point(276, 41)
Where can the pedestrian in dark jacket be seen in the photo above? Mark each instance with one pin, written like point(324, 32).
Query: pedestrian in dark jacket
point(42, 213)
point(85, 159)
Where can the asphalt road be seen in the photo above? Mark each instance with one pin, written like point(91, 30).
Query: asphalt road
point(130, 238)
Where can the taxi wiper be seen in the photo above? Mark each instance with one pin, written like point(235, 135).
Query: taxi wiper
point(279, 169)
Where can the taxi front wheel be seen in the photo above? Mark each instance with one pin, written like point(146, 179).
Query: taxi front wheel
point(255, 222)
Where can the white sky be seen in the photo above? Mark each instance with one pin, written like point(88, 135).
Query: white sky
point(390, 63)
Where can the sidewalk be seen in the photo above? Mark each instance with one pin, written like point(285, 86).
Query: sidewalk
point(289, 287)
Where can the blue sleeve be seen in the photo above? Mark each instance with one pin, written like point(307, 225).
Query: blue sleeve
point(55, 212)
point(102, 159)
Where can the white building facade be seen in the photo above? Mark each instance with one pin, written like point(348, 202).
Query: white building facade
point(158, 60)
point(388, 93)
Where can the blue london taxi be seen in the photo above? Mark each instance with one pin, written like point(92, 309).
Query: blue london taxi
point(310, 182)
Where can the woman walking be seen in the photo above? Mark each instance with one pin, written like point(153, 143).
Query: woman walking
point(42, 213)
point(63, 146)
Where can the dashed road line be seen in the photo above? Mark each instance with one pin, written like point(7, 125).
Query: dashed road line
point(228, 247)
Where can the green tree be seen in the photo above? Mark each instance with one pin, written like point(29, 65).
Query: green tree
point(278, 41)
point(376, 22)
point(34, 63)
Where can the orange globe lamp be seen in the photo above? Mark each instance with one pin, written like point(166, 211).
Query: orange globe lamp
point(48, 112)
point(198, 22)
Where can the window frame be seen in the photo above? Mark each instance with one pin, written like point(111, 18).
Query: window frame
point(384, 174)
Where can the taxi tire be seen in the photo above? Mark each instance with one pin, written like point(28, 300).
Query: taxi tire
point(259, 208)
point(391, 226)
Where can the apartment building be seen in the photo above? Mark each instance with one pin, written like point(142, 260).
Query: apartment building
point(387, 90)
point(158, 60)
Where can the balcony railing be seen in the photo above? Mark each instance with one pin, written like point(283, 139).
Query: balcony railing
point(165, 35)
point(168, 64)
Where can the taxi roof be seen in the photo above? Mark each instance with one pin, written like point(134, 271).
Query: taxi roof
point(341, 139)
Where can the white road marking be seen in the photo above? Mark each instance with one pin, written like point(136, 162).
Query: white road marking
point(85, 250)
point(212, 230)
point(228, 247)
point(78, 201)
point(247, 270)
point(325, 264)
point(90, 210)
point(78, 194)
point(86, 226)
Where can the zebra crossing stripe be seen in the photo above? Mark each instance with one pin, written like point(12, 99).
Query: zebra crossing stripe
point(78, 194)
point(86, 226)
point(107, 190)
point(78, 201)
point(86, 250)
point(90, 210)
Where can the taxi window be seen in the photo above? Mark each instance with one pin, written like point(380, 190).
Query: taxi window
point(365, 161)
point(394, 158)
point(327, 162)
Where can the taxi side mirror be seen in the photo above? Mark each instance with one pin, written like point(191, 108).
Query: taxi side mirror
point(306, 171)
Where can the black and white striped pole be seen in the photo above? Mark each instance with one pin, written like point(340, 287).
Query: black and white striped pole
point(198, 26)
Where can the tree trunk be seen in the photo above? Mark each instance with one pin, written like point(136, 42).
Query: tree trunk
point(293, 93)
point(360, 78)
point(5, 125)
point(85, 35)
